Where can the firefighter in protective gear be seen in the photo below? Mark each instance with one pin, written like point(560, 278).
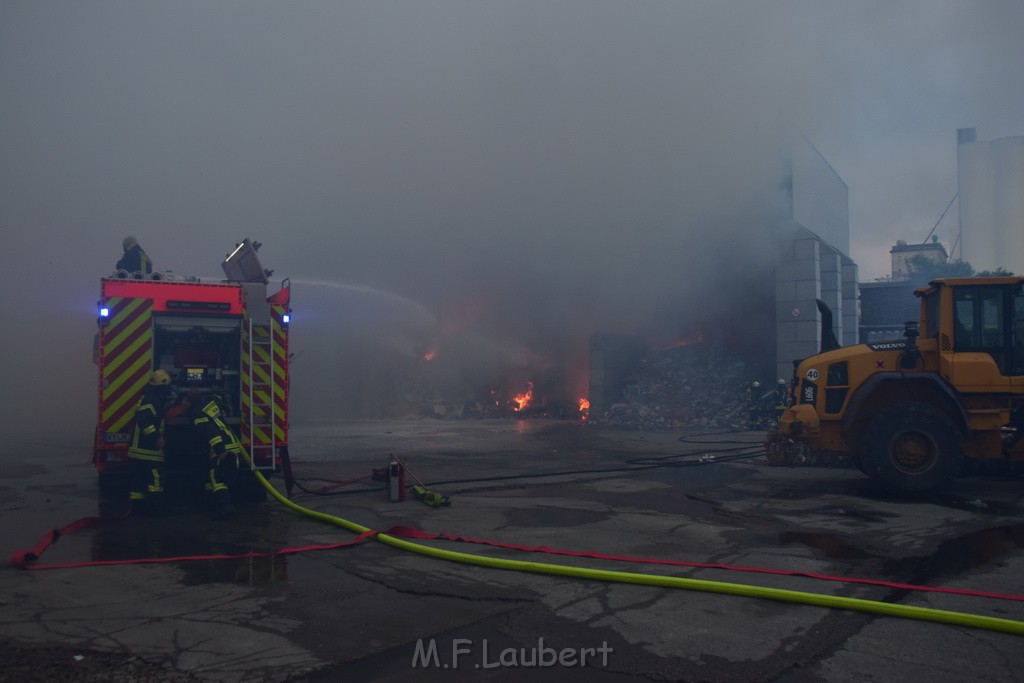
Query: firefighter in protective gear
point(752, 396)
point(135, 260)
point(224, 449)
point(147, 445)
point(781, 397)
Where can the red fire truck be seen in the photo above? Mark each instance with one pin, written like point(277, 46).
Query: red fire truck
point(228, 338)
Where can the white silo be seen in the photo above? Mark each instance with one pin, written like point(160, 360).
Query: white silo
point(990, 177)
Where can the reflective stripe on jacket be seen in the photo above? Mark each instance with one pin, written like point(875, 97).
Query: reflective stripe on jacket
point(149, 426)
point(215, 433)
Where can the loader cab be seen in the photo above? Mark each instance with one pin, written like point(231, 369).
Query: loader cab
point(979, 326)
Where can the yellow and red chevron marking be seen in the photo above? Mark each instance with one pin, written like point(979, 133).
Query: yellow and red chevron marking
point(255, 377)
point(268, 372)
point(280, 370)
point(126, 353)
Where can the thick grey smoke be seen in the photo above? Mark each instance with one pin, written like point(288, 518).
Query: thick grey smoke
point(495, 179)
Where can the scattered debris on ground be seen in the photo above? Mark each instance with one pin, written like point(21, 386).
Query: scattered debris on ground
point(697, 386)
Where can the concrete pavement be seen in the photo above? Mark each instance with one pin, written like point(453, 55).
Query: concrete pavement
point(372, 612)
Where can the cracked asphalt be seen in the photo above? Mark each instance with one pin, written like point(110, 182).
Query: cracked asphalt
point(373, 612)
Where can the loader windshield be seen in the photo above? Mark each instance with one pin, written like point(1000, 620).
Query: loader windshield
point(930, 308)
point(980, 317)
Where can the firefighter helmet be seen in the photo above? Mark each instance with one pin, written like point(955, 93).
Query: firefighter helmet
point(129, 242)
point(782, 381)
point(160, 377)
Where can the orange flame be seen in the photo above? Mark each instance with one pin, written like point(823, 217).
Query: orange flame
point(429, 355)
point(584, 407)
point(522, 400)
point(696, 339)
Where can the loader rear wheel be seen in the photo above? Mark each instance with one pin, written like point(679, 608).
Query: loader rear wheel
point(911, 448)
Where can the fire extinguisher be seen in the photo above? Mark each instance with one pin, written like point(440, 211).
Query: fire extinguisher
point(396, 480)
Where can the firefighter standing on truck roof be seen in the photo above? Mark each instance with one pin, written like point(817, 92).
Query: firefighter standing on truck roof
point(135, 260)
point(147, 445)
point(225, 450)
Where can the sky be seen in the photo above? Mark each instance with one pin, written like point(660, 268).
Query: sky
point(494, 179)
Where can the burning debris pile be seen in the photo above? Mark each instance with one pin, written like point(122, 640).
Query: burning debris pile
point(694, 386)
point(521, 406)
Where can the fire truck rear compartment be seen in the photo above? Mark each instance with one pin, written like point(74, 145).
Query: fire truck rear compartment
point(203, 355)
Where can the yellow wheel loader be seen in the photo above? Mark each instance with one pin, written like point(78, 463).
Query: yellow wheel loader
point(910, 412)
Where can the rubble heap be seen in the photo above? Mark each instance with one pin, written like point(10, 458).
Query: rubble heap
point(697, 386)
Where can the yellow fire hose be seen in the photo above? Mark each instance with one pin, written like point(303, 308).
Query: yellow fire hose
point(800, 597)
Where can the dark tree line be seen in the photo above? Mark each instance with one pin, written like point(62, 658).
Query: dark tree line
point(923, 269)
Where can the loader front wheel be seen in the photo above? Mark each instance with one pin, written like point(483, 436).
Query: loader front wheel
point(911, 448)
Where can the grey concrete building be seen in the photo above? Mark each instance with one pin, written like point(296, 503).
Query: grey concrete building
point(813, 261)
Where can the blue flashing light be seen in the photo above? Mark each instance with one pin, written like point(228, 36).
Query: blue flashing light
point(286, 318)
point(104, 312)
